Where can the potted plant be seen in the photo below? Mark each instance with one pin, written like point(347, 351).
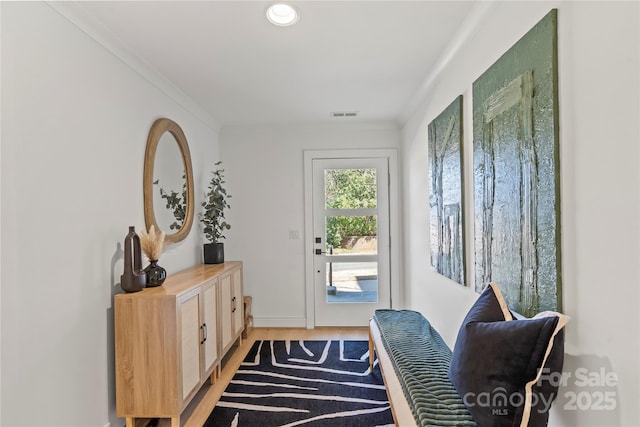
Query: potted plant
point(212, 217)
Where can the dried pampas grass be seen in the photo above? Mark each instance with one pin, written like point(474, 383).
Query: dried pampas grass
point(152, 243)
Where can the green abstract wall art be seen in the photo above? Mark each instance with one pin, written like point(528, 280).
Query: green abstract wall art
point(445, 195)
point(516, 173)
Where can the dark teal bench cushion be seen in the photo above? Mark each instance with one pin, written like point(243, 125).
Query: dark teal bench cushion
point(421, 360)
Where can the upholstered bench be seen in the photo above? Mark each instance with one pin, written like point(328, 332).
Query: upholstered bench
point(414, 361)
point(497, 375)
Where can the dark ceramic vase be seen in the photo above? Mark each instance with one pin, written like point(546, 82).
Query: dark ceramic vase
point(213, 253)
point(155, 274)
point(133, 278)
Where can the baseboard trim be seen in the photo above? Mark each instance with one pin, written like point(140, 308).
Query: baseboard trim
point(279, 322)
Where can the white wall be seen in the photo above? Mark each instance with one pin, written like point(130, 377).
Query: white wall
point(75, 122)
point(0, 219)
point(599, 142)
point(264, 171)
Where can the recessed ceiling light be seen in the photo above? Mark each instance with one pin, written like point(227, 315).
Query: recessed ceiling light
point(282, 14)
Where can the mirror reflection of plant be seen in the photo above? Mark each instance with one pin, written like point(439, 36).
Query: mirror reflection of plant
point(212, 218)
point(176, 202)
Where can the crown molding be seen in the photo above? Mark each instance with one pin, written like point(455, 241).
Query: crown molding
point(88, 24)
point(471, 22)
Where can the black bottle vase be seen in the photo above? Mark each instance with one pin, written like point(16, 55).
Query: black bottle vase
point(213, 253)
point(133, 279)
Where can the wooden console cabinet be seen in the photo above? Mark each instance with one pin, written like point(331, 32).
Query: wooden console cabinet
point(170, 339)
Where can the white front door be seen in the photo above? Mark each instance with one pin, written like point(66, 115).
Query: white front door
point(351, 259)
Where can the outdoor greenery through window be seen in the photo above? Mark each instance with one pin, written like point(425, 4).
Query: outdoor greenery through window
point(350, 189)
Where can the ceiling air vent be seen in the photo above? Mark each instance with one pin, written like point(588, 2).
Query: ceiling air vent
point(344, 114)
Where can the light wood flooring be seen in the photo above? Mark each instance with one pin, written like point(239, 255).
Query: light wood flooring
point(198, 411)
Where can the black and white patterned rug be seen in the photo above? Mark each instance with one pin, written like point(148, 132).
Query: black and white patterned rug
point(304, 383)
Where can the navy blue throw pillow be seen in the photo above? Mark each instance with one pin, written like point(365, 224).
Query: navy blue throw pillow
point(501, 366)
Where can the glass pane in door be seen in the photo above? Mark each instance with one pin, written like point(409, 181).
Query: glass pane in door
point(351, 234)
point(352, 282)
point(350, 188)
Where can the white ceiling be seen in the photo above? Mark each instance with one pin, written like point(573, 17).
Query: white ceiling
point(373, 57)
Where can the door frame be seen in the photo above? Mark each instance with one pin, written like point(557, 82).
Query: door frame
point(394, 220)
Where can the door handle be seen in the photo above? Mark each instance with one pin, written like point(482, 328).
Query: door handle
point(320, 251)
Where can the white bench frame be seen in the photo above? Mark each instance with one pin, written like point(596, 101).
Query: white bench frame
point(400, 408)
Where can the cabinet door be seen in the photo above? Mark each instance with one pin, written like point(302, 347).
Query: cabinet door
point(225, 310)
point(238, 302)
point(210, 316)
point(189, 312)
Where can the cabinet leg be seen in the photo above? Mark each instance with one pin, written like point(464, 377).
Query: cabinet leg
point(175, 422)
point(130, 422)
point(215, 374)
point(218, 370)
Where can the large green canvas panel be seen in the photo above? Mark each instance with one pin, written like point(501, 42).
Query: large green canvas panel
point(445, 192)
point(516, 173)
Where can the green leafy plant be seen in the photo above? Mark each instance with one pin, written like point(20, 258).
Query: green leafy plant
point(212, 217)
point(176, 202)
